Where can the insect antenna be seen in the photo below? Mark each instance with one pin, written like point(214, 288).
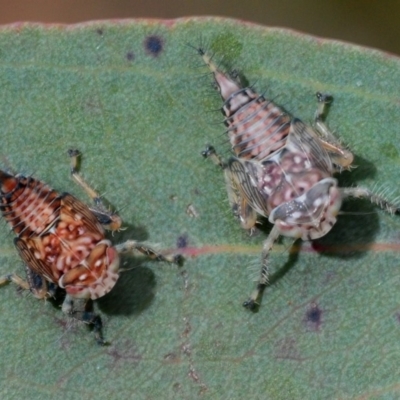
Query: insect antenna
point(200, 50)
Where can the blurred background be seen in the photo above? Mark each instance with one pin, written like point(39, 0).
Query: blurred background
point(370, 23)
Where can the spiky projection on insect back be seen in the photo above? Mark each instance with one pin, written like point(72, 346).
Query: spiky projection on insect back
point(62, 242)
point(282, 168)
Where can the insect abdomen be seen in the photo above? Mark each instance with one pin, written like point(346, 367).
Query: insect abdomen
point(257, 128)
point(29, 206)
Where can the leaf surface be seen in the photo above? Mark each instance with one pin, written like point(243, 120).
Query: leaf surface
point(138, 104)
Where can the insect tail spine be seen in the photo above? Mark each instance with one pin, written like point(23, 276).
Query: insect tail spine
point(226, 86)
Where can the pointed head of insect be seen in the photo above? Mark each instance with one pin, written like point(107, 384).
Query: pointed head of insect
point(96, 276)
point(8, 182)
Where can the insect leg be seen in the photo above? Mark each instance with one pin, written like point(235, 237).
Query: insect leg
point(132, 246)
point(85, 314)
point(34, 282)
point(16, 279)
point(375, 198)
point(108, 219)
point(340, 156)
point(240, 207)
point(210, 153)
point(254, 301)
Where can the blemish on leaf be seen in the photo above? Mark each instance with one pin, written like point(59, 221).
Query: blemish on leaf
point(193, 374)
point(286, 349)
point(93, 106)
point(191, 211)
point(182, 241)
point(228, 45)
point(154, 45)
point(171, 357)
point(69, 327)
point(124, 352)
point(314, 317)
point(130, 56)
point(187, 329)
point(390, 151)
point(64, 323)
point(177, 386)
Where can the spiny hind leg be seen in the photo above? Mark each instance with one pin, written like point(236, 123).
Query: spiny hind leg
point(82, 310)
point(323, 100)
point(134, 247)
point(255, 299)
point(375, 198)
point(340, 156)
point(240, 207)
point(108, 219)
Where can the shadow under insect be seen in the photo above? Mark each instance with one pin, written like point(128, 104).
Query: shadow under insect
point(351, 237)
point(134, 291)
point(135, 288)
point(354, 231)
point(358, 219)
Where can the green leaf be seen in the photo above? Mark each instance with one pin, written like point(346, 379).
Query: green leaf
point(137, 102)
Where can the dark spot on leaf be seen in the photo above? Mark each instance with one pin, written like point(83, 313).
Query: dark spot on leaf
point(314, 317)
point(182, 241)
point(99, 31)
point(177, 386)
point(130, 56)
point(154, 45)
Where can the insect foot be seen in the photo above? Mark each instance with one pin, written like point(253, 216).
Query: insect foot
point(63, 245)
point(281, 168)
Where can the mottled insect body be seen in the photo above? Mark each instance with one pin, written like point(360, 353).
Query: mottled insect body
point(62, 241)
point(58, 237)
point(282, 169)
